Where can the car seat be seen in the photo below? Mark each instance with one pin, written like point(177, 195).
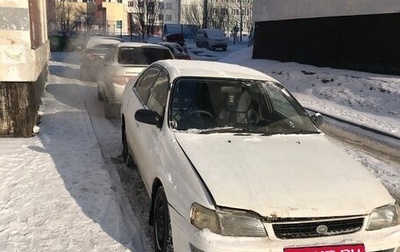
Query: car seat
point(238, 109)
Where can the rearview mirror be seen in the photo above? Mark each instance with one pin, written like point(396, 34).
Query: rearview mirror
point(148, 117)
point(317, 119)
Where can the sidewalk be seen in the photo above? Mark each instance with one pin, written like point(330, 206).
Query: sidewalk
point(57, 193)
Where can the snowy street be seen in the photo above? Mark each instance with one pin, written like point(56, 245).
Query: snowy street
point(61, 190)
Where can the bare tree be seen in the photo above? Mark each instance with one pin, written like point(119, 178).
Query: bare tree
point(205, 15)
point(192, 14)
point(68, 16)
point(218, 16)
point(147, 16)
point(242, 11)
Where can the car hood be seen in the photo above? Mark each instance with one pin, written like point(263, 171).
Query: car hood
point(283, 175)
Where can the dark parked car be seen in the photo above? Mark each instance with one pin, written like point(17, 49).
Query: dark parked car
point(176, 49)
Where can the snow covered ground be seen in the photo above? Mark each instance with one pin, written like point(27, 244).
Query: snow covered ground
point(59, 193)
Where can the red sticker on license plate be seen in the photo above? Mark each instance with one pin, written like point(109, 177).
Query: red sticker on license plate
point(339, 248)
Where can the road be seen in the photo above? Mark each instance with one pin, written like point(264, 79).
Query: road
point(379, 150)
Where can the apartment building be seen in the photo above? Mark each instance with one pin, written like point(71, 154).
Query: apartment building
point(223, 14)
point(113, 17)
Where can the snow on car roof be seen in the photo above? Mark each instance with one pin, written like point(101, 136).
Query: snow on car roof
point(199, 68)
point(139, 44)
point(94, 41)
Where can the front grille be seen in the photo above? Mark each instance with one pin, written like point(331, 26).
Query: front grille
point(325, 227)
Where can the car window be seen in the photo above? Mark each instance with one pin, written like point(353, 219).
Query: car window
point(239, 105)
point(142, 55)
point(145, 82)
point(178, 48)
point(110, 54)
point(158, 94)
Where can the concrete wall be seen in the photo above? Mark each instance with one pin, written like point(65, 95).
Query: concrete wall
point(361, 35)
point(24, 54)
point(19, 59)
point(269, 10)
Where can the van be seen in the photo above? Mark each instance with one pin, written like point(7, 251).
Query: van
point(211, 39)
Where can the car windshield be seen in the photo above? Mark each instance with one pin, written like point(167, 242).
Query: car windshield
point(99, 49)
point(142, 55)
point(241, 106)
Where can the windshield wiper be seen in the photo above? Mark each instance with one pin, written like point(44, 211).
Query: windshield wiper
point(223, 130)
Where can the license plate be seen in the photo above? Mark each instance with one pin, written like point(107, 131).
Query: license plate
point(339, 248)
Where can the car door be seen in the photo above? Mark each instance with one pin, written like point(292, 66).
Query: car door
point(106, 69)
point(151, 89)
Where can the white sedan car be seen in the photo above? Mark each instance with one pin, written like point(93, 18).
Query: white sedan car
point(124, 61)
point(232, 162)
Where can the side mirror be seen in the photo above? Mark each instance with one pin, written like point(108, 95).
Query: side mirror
point(317, 119)
point(148, 117)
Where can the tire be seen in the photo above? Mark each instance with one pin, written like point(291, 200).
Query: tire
point(224, 48)
point(111, 110)
point(126, 155)
point(162, 223)
point(100, 95)
point(83, 76)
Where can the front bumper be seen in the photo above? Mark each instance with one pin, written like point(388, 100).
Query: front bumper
point(188, 238)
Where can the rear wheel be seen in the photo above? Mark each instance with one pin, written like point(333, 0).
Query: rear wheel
point(162, 223)
point(126, 155)
point(111, 110)
point(83, 76)
point(100, 94)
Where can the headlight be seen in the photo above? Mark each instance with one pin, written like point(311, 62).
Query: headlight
point(386, 216)
point(227, 222)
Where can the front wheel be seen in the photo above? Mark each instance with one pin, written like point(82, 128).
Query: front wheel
point(162, 223)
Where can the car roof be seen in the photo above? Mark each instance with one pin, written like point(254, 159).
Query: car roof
point(199, 68)
point(169, 43)
point(139, 44)
point(97, 40)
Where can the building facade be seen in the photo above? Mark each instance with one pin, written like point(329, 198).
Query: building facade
point(349, 34)
point(24, 54)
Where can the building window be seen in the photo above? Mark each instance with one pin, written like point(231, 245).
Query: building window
point(131, 4)
point(140, 4)
point(168, 6)
point(168, 17)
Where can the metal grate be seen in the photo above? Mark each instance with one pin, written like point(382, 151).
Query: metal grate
point(317, 228)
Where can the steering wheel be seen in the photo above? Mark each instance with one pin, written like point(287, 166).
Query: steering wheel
point(199, 111)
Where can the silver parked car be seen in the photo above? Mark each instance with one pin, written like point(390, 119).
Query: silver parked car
point(211, 39)
point(123, 62)
point(92, 55)
point(232, 162)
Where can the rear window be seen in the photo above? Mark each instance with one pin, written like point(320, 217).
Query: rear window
point(142, 55)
